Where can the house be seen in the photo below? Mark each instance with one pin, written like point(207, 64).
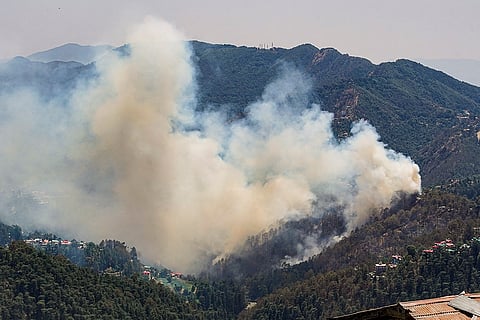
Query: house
point(461, 307)
point(380, 268)
point(147, 274)
point(177, 275)
point(396, 259)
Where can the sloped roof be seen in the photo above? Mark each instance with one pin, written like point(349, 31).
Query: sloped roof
point(458, 307)
point(466, 304)
point(442, 308)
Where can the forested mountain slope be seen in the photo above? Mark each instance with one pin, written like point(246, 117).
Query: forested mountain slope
point(35, 285)
point(418, 111)
point(421, 112)
point(342, 279)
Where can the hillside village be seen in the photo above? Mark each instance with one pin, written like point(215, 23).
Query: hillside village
point(75, 251)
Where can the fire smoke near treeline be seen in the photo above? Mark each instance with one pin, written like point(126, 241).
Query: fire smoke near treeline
point(122, 166)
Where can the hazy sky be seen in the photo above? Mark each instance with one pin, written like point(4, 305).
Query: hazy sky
point(380, 30)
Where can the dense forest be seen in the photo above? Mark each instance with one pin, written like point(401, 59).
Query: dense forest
point(38, 285)
point(417, 221)
point(341, 279)
point(35, 285)
point(110, 265)
point(421, 274)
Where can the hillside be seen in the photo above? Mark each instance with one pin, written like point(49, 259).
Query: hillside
point(342, 278)
point(38, 286)
point(417, 221)
point(310, 289)
point(467, 70)
point(52, 80)
point(416, 110)
point(112, 259)
point(416, 276)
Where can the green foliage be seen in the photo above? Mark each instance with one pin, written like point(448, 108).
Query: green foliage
point(418, 111)
point(35, 285)
point(9, 233)
point(113, 255)
point(341, 279)
point(468, 187)
point(222, 295)
point(418, 276)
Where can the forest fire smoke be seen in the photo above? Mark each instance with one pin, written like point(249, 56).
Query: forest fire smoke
point(129, 171)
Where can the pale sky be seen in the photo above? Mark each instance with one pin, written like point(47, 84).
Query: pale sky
point(380, 30)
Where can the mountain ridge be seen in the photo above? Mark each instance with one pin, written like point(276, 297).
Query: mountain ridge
point(83, 54)
point(409, 104)
point(467, 70)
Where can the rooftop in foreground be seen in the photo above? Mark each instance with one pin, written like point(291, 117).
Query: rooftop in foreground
point(459, 307)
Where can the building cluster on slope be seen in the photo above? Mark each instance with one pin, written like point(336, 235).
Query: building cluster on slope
point(381, 268)
point(152, 273)
point(265, 46)
point(39, 243)
point(445, 244)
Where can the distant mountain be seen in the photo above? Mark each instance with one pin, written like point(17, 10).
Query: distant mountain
point(71, 52)
point(52, 79)
point(418, 111)
point(467, 70)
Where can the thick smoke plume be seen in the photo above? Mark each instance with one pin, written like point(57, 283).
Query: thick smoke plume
point(117, 163)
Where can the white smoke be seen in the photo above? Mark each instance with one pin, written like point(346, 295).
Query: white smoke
point(120, 166)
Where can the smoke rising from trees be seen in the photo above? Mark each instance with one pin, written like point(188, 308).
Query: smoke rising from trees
point(118, 163)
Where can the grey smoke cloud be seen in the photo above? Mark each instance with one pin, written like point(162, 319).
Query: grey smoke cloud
point(117, 164)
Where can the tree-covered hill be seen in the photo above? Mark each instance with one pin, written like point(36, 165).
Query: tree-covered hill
point(414, 108)
point(35, 285)
point(222, 299)
point(339, 280)
point(419, 275)
point(342, 279)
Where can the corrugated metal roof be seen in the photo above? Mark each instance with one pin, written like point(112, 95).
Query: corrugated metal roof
point(439, 308)
point(464, 308)
point(466, 304)
point(445, 316)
